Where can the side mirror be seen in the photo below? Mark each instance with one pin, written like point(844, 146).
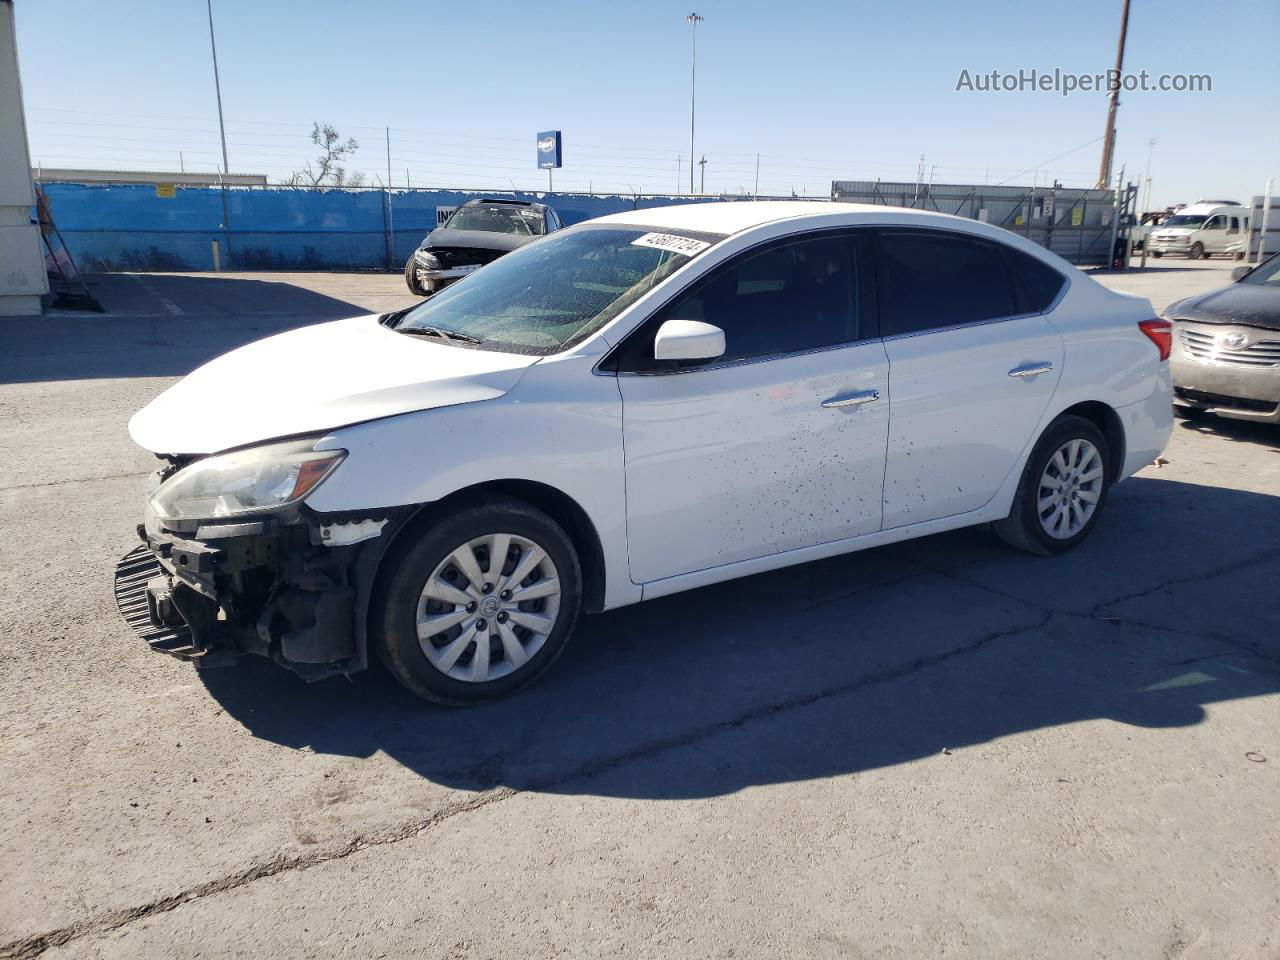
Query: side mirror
point(1239, 272)
point(688, 340)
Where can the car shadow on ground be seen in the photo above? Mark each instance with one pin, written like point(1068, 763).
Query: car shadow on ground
point(1238, 431)
point(843, 665)
point(157, 326)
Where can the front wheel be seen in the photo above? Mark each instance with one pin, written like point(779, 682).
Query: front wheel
point(1062, 490)
point(411, 278)
point(1197, 251)
point(481, 604)
point(1157, 254)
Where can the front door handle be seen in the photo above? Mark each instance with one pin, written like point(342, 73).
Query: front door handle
point(1031, 369)
point(849, 399)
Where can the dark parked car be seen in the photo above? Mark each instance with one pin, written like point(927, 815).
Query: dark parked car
point(478, 232)
point(1227, 355)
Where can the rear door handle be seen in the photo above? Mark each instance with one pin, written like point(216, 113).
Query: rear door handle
point(1031, 369)
point(849, 399)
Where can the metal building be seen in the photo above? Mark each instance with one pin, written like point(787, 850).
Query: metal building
point(1078, 225)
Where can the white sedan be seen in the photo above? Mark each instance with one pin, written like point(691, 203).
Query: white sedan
point(642, 404)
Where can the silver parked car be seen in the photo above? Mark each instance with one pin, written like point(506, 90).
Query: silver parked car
point(1226, 358)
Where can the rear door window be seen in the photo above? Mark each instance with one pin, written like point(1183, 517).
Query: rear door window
point(930, 279)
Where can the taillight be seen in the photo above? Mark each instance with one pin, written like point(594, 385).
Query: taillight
point(1159, 332)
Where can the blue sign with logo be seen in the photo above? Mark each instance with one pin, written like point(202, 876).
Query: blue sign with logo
point(549, 150)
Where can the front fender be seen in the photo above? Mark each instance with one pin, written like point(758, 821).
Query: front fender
point(561, 427)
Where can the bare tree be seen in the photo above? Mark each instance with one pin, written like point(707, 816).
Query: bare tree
point(330, 169)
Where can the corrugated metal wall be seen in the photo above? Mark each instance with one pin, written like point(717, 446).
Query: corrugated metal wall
point(1075, 224)
point(135, 227)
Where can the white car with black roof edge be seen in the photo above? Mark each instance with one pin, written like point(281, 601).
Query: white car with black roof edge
point(635, 406)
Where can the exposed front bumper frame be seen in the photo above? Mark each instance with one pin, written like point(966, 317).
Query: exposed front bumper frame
point(432, 279)
point(297, 593)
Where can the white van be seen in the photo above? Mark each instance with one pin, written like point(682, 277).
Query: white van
point(1202, 230)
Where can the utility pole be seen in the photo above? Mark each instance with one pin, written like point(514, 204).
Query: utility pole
point(222, 129)
point(702, 187)
point(679, 168)
point(1109, 137)
point(756, 193)
point(694, 19)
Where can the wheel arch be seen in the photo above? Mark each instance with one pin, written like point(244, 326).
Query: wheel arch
point(550, 500)
point(1105, 418)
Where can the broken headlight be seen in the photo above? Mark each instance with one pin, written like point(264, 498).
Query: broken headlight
point(247, 481)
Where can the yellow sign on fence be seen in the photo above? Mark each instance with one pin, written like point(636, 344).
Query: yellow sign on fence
point(166, 190)
point(1077, 216)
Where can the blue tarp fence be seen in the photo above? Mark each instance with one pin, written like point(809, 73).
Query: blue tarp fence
point(142, 226)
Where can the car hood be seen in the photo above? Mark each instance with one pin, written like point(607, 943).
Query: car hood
point(314, 379)
point(1248, 304)
point(475, 239)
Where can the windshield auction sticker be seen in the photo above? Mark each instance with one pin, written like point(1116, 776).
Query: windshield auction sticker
point(669, 241)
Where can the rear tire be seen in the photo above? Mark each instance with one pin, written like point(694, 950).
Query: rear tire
point(1157, 254)
point(1063, 489)
point(426, 588)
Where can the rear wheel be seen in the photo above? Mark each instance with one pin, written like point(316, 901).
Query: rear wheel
point(1062, 490)
point(1157, 254)
point(481, 604)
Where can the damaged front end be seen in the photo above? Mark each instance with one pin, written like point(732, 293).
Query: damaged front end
point(292, 585)
point(438, 266)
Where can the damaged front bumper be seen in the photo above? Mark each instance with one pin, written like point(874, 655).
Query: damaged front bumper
point(433, 278)
point(296, 592)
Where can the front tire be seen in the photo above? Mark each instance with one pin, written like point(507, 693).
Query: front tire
point(1062, 491)
point(480, 604)
point(411, 278)
point(1197, 251)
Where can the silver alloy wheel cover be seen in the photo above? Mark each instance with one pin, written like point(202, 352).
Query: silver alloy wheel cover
point(469, 613)
point(1070, 489)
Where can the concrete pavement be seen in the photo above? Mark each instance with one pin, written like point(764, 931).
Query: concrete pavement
point(937, 748)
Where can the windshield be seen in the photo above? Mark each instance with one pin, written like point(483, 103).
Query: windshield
point(1184, 221)
point(522, 221)
point(1268, 273)
point(556, 290)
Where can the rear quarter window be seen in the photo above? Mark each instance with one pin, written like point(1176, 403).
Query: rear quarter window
point(1038, 284)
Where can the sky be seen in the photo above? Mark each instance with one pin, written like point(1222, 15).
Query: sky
point(818, 90)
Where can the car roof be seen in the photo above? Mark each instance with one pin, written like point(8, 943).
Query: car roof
point(730, 217)
point(1205, 207)
point(734, 216)
point(503, 201)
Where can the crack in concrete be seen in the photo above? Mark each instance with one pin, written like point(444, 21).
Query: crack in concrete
point(30, 947)
point(986, 588)
point(1218, 571)
point(140, 474)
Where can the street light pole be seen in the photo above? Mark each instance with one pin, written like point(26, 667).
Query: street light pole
point(694, 19)
point(222, 129)
point(217, 86)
